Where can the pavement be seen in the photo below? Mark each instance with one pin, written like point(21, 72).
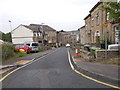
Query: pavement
point(7, 65)
point(103, 72)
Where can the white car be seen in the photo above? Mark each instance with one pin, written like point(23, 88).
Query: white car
point(114, 47)
point(67, 45)
point(34, 46)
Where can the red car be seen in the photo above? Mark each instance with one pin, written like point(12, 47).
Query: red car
point(24, 47)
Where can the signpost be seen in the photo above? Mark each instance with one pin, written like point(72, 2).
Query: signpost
point(106, 25)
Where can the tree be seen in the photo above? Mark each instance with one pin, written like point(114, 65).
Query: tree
point(6, 37)
point(114, 10)
point(1, 35)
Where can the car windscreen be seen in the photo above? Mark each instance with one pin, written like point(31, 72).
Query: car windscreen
point(34, 44)
point(21, 46)
point(17, 46)
point(28, 44)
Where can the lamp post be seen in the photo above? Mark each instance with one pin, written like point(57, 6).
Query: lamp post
point(10, 29)
point(10, 25)
point(42, 34)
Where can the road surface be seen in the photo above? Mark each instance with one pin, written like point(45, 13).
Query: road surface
point(52, 71)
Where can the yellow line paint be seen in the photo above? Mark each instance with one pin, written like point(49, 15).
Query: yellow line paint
point(88, 76)
point(24, 66)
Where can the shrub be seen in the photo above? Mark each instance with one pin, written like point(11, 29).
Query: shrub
point(41, 49)
point(7, 51)
point(20, 54)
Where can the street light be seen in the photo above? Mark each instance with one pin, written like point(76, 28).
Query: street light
point(10, 28)
point(42, 34)
point(10, 25)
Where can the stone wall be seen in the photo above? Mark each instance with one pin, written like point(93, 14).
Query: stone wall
point(86, 55)
point(99, 54)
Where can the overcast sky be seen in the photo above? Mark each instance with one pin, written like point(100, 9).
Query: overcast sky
point(59, 14)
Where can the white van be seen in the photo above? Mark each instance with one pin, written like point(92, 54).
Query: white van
point(114, 47)
point(34, 46)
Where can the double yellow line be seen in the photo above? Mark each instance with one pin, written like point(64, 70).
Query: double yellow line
point(25, 66)
point(88, 76)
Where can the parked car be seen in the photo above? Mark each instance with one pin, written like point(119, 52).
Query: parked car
point(87, 47)
point(34, 46)
point(67, 45)
point(114, 47)
point(23, 47)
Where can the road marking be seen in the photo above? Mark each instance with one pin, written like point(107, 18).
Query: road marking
point(88, 76)
point(26, 65)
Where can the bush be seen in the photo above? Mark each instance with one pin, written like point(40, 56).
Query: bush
point(41, 49)
point(20, 54)
point(7, 51)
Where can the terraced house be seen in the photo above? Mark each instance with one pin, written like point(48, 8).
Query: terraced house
point(94, 29)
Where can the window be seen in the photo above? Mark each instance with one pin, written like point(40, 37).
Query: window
point(17, 46)
point(34, 44)
point(107, 15)
point(28, 44)
point(97, 18)
point(117, 34)
point(37, 34)
point(92, 21)
point(34, 34)
point(86, 26)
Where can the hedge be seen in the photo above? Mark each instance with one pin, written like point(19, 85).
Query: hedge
point(7, 51)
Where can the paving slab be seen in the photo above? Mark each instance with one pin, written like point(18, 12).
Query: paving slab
point(107, 72)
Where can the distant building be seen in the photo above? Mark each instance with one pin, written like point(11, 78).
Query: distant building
point(63, 37)
point(74, 36)
point(82, 35)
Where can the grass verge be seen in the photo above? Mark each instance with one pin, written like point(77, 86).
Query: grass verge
point(111, 62)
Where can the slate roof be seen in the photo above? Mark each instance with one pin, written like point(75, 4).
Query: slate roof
point(95, 6)
point(36, 27)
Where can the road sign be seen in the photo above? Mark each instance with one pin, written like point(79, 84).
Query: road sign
point(106, 24)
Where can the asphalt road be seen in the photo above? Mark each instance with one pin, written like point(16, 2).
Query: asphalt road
point(52, 71)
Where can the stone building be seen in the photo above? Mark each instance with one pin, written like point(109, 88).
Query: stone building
point(74, 37)
point(82, 35)
point(88, 32)
point(63, 37)
point(94, 29)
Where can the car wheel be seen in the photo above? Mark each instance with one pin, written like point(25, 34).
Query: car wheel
point(27, 51)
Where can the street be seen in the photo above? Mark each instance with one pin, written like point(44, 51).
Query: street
point(52, 71)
